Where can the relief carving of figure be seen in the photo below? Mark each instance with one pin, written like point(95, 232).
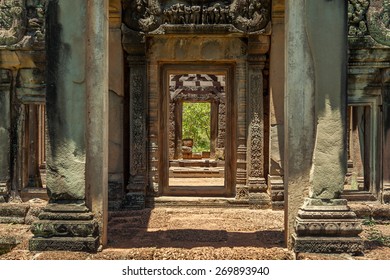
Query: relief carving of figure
point(12, 21)
point(250, 15)
point(245, 15)
point(187, 14)
point(195, 15)
point(357, 10)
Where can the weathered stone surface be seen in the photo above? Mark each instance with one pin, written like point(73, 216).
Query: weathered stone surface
point(66, 101)
point(115, 153)
point(327, 221)
point(89, 244)
point(22, 24)
point(326, 22)
point(381, 212)
point(5, 130)
point(134, 201)
point(44, 215)
point(259, 200)
point(328, 245)
point(323, 216)
point(156, 16)
point(7, 243)
point(378, 15)
point(13, 213)
point(299, 122)
point(50, 228)
point(61, 223)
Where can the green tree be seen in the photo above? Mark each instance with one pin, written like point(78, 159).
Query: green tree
point(196, 124)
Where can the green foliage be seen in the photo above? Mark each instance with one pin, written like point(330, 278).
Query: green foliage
point(374, 234)
point(377, 236)
point(196, 124)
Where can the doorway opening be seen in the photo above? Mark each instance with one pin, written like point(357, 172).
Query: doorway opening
point(195, 128)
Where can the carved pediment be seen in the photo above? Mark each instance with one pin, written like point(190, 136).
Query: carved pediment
point(378, 17)
point(154, 16)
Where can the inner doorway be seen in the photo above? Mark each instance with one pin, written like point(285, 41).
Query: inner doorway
point(197, 130)
point(200, 112)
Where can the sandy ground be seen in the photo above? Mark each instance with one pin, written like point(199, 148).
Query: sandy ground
point(196, 233)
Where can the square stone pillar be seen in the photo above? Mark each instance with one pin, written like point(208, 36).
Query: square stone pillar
point(276, 95)
point(386, 136)
point(315, 104)
point(5, 130)
point(135, 198)
point(255, 121)
point(77, 114)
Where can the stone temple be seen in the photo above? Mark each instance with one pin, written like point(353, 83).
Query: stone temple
point(93, 100)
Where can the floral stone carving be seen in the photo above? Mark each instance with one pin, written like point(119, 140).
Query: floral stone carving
point(378, 19)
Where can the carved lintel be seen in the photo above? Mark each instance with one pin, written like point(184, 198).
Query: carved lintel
point(155, 17)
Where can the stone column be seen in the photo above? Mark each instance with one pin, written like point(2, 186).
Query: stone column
point(5, 129)
point(276, 93)
point(386, 136)
point(316, 129)
point(135, 198)
point(97, 90)
point(77, 94)
point(255, 120)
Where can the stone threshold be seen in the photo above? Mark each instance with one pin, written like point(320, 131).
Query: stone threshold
point(179, 201)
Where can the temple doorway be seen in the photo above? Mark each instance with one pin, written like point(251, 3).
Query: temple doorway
point(193, 128)
point(197, 125)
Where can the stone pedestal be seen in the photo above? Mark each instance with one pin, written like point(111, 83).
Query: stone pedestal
point(5, 130)
point(327, 227)
point(67, 227)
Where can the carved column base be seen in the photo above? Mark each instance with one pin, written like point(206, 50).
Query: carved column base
point(134, 201)
point(115, 196)
point(327, 245)
point(68, 227)
point(327, 226)
point(276, 187)
point(4, 193)
point(258, 195)
point(257, 184)
point(386, 194)
point(242, 192)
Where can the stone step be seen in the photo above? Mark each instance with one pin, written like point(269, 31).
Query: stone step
point(30, 193)
point(7, 243)
point(178, 201)
point(197, 163)
point(13, 213)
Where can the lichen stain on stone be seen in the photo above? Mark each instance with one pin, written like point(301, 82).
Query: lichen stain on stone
point(211, 49)
point(67, 179)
